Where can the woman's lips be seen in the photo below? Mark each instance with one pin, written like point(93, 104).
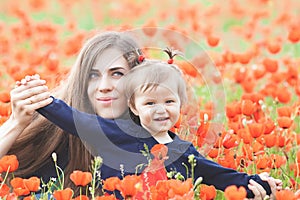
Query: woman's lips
point(106, 100)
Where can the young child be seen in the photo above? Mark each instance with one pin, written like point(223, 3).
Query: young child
point(155, 92)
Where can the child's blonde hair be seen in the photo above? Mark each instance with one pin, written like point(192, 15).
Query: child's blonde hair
point(149, 75)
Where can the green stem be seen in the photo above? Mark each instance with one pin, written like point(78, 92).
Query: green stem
point(5, 177)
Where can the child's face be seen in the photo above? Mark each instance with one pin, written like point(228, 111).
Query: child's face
point(158, 109)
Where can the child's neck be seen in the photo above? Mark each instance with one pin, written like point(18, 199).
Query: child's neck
point(162, 138)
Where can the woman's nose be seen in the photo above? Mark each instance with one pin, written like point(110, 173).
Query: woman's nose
point(105, 85)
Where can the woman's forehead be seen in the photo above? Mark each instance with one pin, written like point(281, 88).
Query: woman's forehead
point(110, 59)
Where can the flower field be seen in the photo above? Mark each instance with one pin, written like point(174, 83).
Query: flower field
point(242, 61)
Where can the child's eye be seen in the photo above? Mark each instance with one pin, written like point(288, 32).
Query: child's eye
point(149, 103)
point(170, 101)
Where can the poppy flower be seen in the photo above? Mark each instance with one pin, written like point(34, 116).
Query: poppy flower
point(111, 183)
point(208, 192)
point(17, 182)
point(159, 151)
point(129, 186)
point(212, 40)
point(65, 194)
point(256, 129)
point(81, 197)
point(234, 193)
point(21, 191)
point(243, 58)
point(177, 187)
point(32, 184)
point(240, 74)
point(270, 65)
point(294, 35)
point(80, 178)
point(5, 109)
point(269, 126)
point(248, 107)
point(230, 141)
point(258, 72)
point(262, 162)
point(187, 68)
point(283, 95)
point(106, 197)
point(213, 153)
point(270, 140)
point(4, 96)
point(4, 190)
point(232, 110)
point(52, 62)
point(178, 123)
point(244, 135)
point(281, 141)
point(149, 28)
point(9, 163)
point(273, 47)
point(29, 198)
point(201, 133)
point(284, 111)
point(284, 122)
point(285, 194)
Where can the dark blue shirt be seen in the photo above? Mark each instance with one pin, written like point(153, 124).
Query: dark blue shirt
point(120, 141)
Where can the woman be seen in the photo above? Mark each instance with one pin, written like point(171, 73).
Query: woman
point(33, 138)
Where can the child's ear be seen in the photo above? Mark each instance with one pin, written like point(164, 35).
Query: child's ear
point(133, 109)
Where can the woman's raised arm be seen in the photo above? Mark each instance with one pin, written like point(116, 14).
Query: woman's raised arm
point(28, 95)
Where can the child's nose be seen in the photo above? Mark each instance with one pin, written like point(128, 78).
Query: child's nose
point(160, 108)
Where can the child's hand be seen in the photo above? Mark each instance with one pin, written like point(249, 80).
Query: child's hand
point(259, 192)
point(27, 79)
point(275, 184)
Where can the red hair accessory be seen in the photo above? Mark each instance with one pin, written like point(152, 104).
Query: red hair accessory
point(141, 58)
point(171, 53)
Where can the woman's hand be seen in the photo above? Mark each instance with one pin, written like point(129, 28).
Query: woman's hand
point(30, 94)
point(259, 192)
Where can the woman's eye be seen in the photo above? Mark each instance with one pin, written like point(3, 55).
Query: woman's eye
point(93, 75)
point(117, 74)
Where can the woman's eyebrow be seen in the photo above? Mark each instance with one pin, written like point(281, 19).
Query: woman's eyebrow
point(116, 68)
point(110, 69)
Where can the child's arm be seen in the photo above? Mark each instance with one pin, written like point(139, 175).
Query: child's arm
point(88, 127)
point(222, 177)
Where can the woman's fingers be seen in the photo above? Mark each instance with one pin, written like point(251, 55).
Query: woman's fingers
point(32, 88)
point(39, 104)
point(39, 100)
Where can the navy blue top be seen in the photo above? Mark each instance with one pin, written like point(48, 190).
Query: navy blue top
point(120, 141)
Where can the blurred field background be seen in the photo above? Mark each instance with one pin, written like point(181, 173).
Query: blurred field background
point(253, 43)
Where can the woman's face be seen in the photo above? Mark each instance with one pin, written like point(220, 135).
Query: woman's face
point(104, 92)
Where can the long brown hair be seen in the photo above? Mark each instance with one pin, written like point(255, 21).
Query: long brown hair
point(41, 138)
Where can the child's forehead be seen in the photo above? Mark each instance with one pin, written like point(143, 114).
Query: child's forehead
point(163, 87)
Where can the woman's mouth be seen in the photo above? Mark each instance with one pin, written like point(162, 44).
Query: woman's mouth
point(106, 100)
